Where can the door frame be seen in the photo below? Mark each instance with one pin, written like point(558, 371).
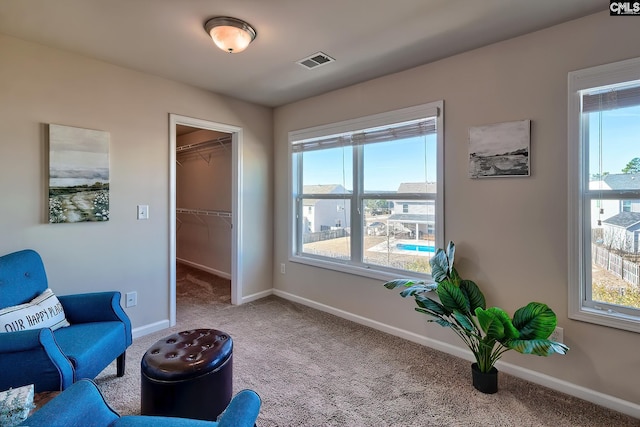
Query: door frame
point(236, 204)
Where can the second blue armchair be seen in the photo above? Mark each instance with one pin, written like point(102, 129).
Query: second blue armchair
point(83, 405)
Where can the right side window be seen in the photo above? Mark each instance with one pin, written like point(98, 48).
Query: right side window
point(604, 195)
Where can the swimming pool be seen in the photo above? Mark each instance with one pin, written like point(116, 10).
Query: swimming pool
point(415, 247)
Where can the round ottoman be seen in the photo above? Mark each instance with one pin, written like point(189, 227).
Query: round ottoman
point(188, 375)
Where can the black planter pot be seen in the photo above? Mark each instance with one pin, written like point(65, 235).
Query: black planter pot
point(486, 382)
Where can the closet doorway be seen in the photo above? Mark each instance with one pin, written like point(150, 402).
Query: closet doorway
point(216, 215)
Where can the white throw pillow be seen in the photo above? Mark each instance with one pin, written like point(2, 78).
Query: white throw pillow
point(44, 311)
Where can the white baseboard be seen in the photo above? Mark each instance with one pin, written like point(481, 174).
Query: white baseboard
point(150, 328)
point(218, 273)
point(256, 296)
point(611, 402)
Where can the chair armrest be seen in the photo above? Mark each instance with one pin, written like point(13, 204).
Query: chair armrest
point(82, 404)
point(33, 357)
point(242, 411)
point(11, 342)
point(95, 307)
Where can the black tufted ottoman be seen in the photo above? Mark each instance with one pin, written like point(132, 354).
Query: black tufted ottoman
point(188, 374)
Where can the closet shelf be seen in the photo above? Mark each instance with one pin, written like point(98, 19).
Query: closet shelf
point(198, 213)
point(204, 212)
point(199, 149)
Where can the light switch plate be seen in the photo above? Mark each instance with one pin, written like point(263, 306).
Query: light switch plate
point(143, 211)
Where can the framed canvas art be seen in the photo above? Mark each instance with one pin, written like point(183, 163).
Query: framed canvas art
point(78, 175)
point(500, 150)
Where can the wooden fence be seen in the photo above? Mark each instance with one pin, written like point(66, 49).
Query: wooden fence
point(626, 270)
point(324, 235)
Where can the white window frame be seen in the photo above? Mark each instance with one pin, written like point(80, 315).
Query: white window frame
point(433, 109)
point(579, 238)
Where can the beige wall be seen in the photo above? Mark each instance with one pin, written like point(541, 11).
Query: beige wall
point(40, 85)
point(511, 233)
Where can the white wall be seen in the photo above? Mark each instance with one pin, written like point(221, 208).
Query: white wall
point(511, 233)
point(40, 85)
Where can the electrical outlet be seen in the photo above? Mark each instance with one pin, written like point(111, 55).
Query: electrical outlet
point(131, 299)
point(282, 268)
point(557, 335)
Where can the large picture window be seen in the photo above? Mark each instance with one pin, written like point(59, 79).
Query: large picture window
point(604, 190)
point(367, 193)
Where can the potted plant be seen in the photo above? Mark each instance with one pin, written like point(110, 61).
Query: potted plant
point(488, 332)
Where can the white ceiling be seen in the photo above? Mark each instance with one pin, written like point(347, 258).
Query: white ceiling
point(368, 38)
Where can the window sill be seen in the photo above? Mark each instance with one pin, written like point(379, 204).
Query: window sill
point(369, 272)
point(605, 318)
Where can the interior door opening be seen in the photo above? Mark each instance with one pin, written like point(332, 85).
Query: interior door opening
point(207, 155)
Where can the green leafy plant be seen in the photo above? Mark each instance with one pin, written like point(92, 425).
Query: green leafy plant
point(488, 332)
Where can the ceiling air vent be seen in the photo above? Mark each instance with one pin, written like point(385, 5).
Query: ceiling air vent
point(316, 60)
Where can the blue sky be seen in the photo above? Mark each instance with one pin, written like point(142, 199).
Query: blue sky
point(77, 156)
point(387, 164)
point(620, 139)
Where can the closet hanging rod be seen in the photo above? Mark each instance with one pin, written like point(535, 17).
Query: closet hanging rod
point(223, 215)
point(222, 141)
point(204, 212)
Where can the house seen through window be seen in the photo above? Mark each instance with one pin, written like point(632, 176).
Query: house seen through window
point(381, 176)
point(604, 138)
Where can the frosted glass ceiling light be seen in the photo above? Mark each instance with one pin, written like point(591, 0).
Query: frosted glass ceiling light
point(230, 34)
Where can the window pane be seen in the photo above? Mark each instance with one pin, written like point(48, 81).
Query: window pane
point(326, 228)
point(614, 148)
point(346, 174)
point(615, 252)
point(333, 166)
point(402, 241)
point(614, 165)
point(389, 164)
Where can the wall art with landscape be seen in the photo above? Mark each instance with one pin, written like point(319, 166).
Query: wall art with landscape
point(499, 150)
point(78, 175)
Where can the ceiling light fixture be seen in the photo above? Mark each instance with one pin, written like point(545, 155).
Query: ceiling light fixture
point(230, 34)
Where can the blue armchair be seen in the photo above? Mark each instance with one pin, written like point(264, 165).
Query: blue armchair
point(99, 331)
point(83, 405)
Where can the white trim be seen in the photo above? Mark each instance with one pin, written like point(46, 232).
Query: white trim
point(374, 120)
point(578, 236)
point(605, 75)
point(257, 296)
point(236, 201)
point(173, 121)
point(237, 172)
point(371, 273)
point(431, 109)
point(213, 271)
point(614, 403)
point(607, 401)
point(410, 336)
point(574, 219)
point(150, 328)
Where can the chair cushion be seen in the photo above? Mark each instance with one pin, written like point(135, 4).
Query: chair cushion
point(44, 311)
point(91, 346)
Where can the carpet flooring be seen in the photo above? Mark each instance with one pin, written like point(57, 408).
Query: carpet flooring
point(315, 369)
